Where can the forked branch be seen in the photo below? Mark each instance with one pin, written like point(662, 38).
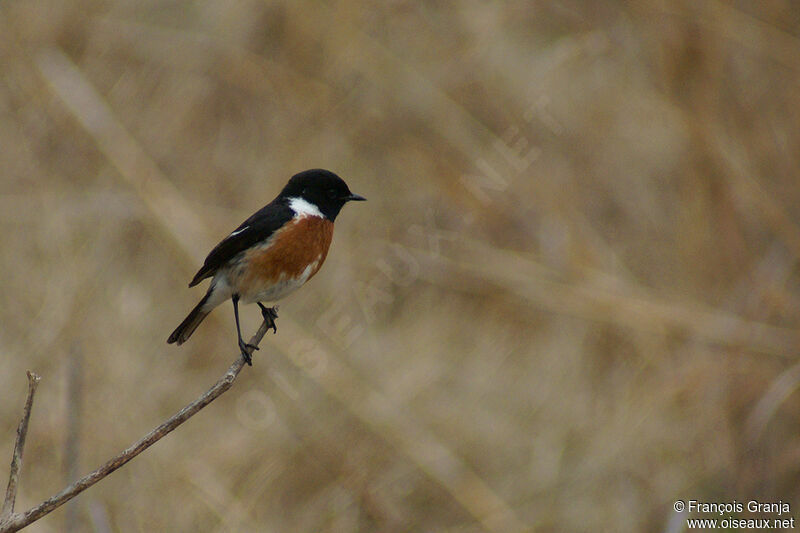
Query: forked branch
point(11, 521)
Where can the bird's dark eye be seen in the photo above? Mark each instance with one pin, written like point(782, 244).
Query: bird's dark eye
point(332, 193)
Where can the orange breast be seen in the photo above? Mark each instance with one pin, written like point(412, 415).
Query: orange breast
point(287, 254)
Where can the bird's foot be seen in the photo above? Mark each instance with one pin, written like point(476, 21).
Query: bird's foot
point(269, 314)
point(247, 349)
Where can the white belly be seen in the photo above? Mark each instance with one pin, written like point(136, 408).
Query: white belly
point(281, 289)
point(221, 289)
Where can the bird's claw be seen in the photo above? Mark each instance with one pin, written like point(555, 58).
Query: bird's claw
point(246, 349)
point(269, 314)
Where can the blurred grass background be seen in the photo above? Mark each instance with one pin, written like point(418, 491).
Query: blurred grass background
point(571, 299)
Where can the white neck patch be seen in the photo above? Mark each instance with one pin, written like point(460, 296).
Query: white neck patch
point(304, 208)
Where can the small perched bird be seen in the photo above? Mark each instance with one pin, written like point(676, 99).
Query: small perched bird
point(273, 253)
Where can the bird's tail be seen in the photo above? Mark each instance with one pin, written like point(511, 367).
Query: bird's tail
point(190, 323)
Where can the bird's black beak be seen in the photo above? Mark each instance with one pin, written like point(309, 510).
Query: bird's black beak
point(355, 198)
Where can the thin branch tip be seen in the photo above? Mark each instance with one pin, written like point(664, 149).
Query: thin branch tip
point(7, 514)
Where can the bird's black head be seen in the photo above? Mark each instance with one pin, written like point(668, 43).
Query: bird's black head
point(323, 189)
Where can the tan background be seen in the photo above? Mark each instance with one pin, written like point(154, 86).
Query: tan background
point(571, 299)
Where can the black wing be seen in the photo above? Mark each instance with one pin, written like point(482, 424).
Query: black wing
point(257, 228)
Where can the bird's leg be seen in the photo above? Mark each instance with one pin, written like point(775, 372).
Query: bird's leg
point(269, 314)
point(243, 346)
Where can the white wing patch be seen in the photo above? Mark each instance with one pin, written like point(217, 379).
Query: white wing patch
point(304, 208)
point(238, 231)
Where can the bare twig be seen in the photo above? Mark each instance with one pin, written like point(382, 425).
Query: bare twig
point(19, 446)
point(16, 521)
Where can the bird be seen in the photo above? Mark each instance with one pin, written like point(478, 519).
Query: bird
point(271, 254)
